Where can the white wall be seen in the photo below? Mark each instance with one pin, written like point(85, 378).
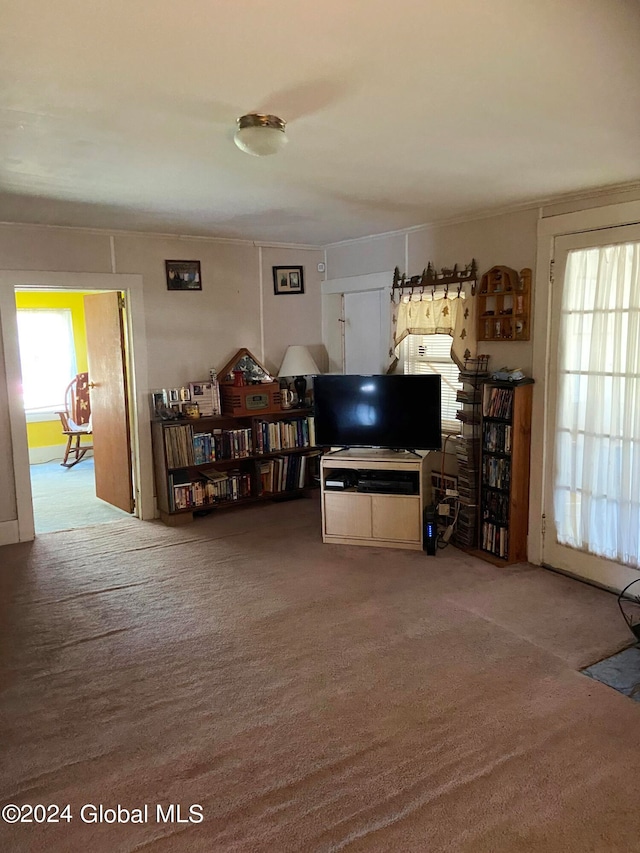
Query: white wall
point(507, 239)
point(187, 332)
point(8, 510)
point(294, 318)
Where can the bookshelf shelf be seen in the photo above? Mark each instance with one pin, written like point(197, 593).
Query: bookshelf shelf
point(225, 461)
point(504, 470)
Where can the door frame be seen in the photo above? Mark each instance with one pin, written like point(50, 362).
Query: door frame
point(136, 345)
point(550, 228)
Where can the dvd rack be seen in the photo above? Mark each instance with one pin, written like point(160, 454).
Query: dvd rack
point(473, 373)
point(506, 436)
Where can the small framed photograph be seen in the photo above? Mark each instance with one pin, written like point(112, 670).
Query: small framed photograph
point(288, 280)
point(158, 403)
point(183, 275)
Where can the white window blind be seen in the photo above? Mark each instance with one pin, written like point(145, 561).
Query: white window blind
point(47, 357)
point(432, 354)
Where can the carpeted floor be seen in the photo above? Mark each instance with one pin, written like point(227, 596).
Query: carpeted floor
point(308, 697)
point(65, 498)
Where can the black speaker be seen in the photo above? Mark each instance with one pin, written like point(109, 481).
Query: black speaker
point(430, 530)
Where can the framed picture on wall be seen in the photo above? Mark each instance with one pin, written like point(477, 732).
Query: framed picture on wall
point(288, 280)
point(183, 275)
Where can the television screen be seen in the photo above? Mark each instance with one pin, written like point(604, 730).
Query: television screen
point(396, 411)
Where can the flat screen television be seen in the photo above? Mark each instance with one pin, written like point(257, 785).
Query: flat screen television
point(394, 411)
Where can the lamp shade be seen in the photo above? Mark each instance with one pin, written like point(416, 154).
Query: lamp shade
point(260, 135)
point(298, 361)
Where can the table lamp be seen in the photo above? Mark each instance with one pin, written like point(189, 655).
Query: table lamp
point(298, 362)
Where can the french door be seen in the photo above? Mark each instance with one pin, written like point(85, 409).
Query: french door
point(592, 469)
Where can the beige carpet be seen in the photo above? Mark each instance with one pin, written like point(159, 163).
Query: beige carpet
point(308, 697)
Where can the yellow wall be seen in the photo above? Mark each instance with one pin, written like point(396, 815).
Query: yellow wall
point(48, 433)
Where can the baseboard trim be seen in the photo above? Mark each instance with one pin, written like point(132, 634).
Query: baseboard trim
point(9, 532)
point(50, 453)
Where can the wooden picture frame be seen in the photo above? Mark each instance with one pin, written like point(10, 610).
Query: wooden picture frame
point(288, 280)
point(183, 275)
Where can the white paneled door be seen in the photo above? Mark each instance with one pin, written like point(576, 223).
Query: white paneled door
point(592, 468)
point(366, 338)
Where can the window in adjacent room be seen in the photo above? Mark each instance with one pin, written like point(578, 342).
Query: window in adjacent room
point(432, 354)
point(47, 356)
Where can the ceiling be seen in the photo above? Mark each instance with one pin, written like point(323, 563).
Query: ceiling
point(121, 114)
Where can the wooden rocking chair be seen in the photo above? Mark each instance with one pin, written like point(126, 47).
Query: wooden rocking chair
point(76, 419)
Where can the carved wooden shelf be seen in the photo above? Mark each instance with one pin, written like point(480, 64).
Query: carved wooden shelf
point(504, 301)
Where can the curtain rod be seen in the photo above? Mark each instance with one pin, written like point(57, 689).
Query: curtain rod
point(431, 278)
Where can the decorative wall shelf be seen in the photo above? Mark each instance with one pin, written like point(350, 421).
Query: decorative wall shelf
point(504, 300)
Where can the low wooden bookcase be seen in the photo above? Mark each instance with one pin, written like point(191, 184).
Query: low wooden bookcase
point(354, 517)
point(208, 463)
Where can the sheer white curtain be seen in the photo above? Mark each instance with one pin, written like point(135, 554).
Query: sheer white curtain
point(597, 447)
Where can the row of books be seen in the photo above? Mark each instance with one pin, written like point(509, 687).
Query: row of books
point(495, 539)
point(283, 473)
point(495, 507)
point(284, 435)
point(496, 472)
point(212, 489)
point(178, 443)
point(185, 448)
point(496, 437)
point(498, 402)
point(233, 443)
point(204, 448)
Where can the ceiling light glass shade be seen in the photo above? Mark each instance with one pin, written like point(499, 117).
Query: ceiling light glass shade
point(298, 361)
point(260, 135)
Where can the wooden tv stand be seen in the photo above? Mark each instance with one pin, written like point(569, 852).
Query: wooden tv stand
point(380, 518)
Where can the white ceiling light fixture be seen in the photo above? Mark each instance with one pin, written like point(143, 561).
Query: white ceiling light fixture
point(260, 135)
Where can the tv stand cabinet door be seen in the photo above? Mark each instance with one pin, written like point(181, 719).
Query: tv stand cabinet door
point(347, 515)
point(396, 517)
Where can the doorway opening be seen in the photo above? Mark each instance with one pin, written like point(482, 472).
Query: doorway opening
point(63, 333)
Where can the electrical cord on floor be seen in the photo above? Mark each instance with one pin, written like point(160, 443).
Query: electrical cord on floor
point(442, 497)
point(445, 536)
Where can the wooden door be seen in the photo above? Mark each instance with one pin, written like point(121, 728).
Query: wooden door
point(109, 398)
